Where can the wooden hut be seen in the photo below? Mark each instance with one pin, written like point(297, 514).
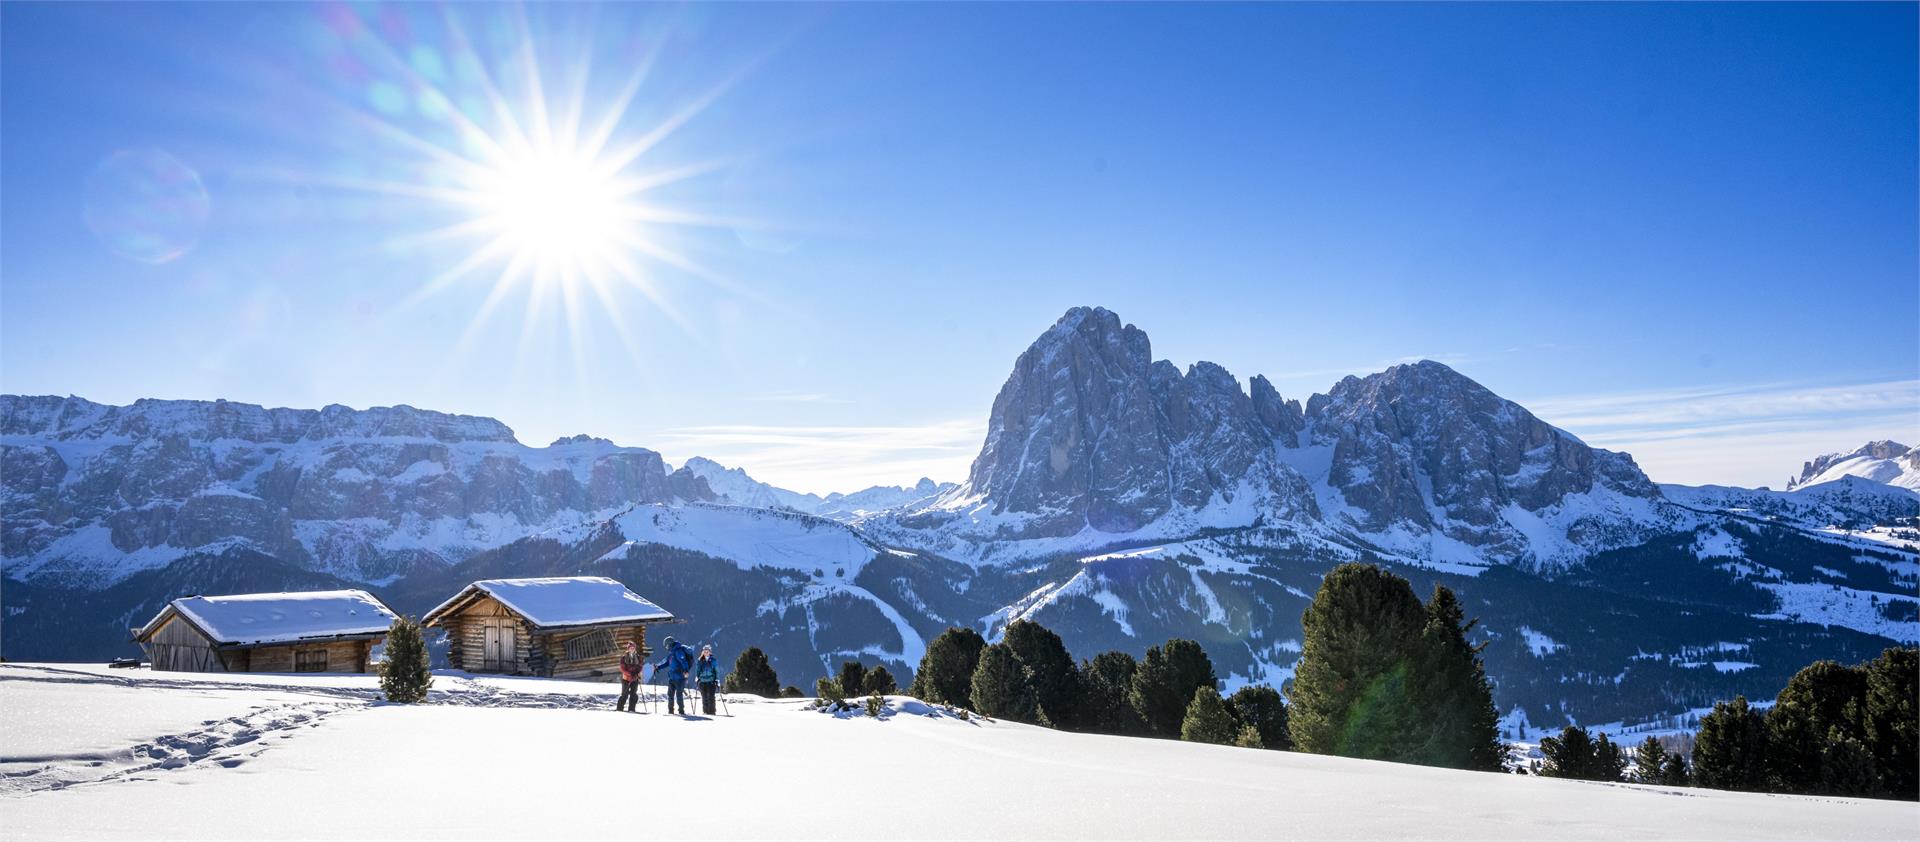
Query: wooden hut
point(313, 631)
point(563, 627)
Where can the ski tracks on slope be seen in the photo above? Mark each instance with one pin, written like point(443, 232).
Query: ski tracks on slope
point(230, 742)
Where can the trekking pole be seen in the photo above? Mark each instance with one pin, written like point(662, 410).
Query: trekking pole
point(720, 687)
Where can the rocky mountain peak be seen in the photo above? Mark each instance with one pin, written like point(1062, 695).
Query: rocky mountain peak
point(1088, 431)
point(1884, 461)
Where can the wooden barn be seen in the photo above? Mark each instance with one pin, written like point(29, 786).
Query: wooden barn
point(561, 627)
point(314, 631)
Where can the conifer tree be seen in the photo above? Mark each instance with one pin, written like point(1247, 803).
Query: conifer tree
point(1208, 720)
point(1650, 762)
point(827, 690)
point(852, 678)
point(880, 682)
point(1164, 684)
point(753, 674)
point(1819, 705)
point(1050, 672)
point(1675, 773)
point(1260, 707)
point(1107, 684)
point(1890, 721)
point(1249, 737)
point(1462, 730)
point(404, 675)
point(792, 692)
point(1352, 693)
point(1846, 767)
point(1730, 752)
point(1609, 762)
point(1570, 755)
point(945, 676)
point(1000, 686)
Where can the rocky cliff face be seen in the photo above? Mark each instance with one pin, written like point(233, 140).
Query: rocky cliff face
point(1090, 436)
point(98, 492)
point(1090, 433)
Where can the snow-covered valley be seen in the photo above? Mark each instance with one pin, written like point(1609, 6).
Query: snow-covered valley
point(91, 753)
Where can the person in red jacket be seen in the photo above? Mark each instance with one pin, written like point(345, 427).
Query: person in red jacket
point(630, 663)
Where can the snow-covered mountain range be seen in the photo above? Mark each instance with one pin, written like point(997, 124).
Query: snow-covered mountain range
point(1119, 499)
point(1888, 462)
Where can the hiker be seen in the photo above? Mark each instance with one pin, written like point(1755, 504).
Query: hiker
point(630, 664)
point(706, 671)
point(678, 663)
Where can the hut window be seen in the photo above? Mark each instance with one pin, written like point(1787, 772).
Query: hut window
point(593, 644)
point(309, 660)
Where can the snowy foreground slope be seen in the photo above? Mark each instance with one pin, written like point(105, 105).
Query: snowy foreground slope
point(90, 753)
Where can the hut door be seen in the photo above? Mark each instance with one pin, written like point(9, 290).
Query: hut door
point(498, 642)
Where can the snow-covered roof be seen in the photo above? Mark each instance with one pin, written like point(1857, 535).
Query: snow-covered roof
point(260, 618)
point(561, 601)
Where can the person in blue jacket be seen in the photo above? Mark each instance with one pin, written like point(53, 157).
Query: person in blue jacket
point(678, 663)
point(706, 673)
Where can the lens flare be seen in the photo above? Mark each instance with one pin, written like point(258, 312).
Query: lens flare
point(146, 205)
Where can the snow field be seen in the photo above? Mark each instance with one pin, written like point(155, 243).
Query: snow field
point(537, 759)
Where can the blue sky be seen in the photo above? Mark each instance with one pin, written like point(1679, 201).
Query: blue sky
point(1685, 231)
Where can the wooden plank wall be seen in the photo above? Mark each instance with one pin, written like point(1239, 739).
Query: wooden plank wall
point(178, 647)
point(603, 667)
point(348, 656)
point(466, 638)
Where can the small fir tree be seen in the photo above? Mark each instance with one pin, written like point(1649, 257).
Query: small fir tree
point(1650, 761)
point(1208, 720)
point(945, 676)
point(1730, 752)
point(753, 674)
point(828, 690)
point(1819, 705)
point(1165, 682)
point(880, 682)
point(1462, 730)
point(1570, 755)
point(404, 675)
point(1107, 682)
point(1050, 671)
point(1890, 721)
point(1674, 771)
point(1609, 762)
point(1260, 707)
point(852, 678)
point(875, 704)
point(1249, 737)
point(1000, 686)
point(1846, 767)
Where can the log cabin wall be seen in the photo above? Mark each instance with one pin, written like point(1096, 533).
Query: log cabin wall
point(179, 647)
point(345, 656)
point(605, 666)
point(466, 637)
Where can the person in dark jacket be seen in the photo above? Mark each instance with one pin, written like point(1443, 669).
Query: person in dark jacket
point(678, 663)
point(630, 664)
point(706, 672)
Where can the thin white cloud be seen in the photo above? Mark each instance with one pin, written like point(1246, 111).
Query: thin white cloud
point(1756, 434)
point(821, 459)
point(800, 397)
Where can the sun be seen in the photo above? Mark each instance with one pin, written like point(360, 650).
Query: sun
point(556, 211)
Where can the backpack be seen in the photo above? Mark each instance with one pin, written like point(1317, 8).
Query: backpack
point(680, 664)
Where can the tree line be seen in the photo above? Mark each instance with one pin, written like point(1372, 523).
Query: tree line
point(1833, 730)
point(1385, 676)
